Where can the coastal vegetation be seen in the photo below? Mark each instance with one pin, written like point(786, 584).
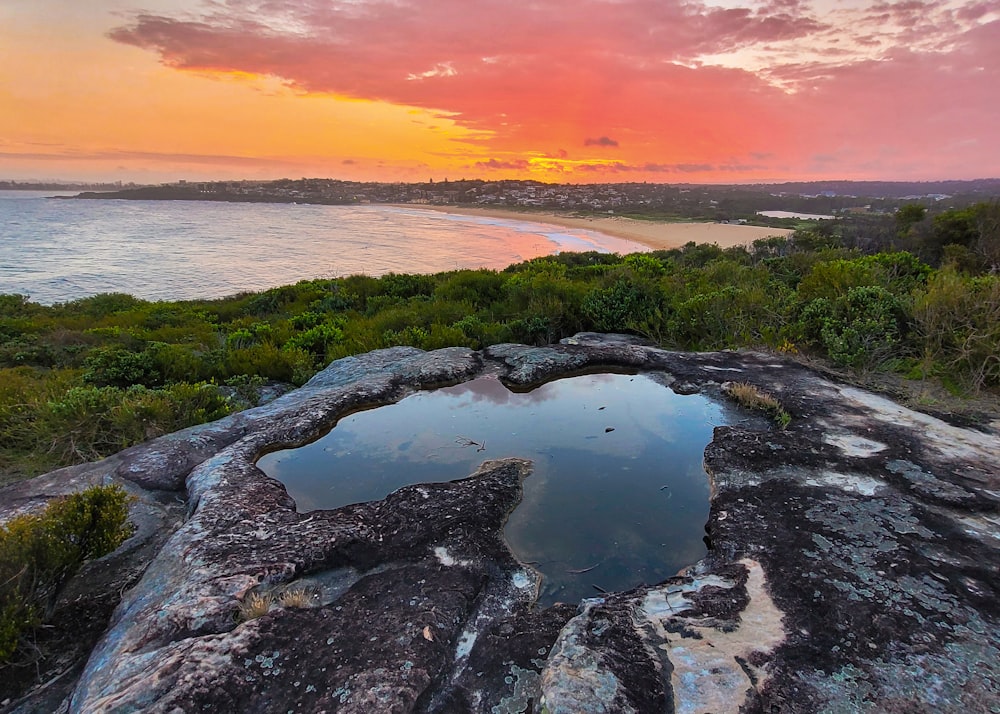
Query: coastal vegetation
point(916, 296)
point(39, 552)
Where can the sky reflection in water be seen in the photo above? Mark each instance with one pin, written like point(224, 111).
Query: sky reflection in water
point(632, 501)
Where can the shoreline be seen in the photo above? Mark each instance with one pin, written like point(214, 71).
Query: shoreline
point(658, 235)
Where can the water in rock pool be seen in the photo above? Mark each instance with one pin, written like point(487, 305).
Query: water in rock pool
point(618, 496)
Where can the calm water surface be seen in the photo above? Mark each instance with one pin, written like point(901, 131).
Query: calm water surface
point(633, 501)
point(59, 250)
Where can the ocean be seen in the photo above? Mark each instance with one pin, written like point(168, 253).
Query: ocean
point(60, 250)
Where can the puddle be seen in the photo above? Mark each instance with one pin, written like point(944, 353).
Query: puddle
point(618, 496)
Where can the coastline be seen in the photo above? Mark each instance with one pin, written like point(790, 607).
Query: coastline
point(658, 235)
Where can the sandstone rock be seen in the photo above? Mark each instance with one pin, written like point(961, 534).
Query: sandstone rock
point(853, 565)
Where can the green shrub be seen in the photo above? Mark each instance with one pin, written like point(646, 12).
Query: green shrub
point(479, 288)
point(406, 285)
point(117, 367)
point(266, 360)
point(957, 322)
point(305, 320)
point(317, 339)
point(480, 333)
point(103, 305)
point(181, 363)
point(531, 330)
point(246, 388)
point(380, 303)
point(14, 305)
point(40, 552)
point(88, 422)
point(833, 278)
point(859, 329)
point(411, 336)
point(899, 272)
point(625, 305)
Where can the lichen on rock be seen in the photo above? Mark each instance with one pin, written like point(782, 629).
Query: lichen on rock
point(853, 565)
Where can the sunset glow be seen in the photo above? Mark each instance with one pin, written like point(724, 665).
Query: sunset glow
point(581, 91)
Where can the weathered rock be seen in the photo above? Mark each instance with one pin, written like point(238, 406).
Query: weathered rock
point(853, 565)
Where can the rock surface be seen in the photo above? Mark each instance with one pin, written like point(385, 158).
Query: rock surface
point(853, 566)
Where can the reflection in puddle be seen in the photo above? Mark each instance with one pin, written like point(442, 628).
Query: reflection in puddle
point(618, 496)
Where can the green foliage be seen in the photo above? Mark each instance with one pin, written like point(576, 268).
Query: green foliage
point(479, 288)
point(899, 272)
point(90, 422)
point(909, 215)
point(531, 330)
point(957, 321)
point(40, 552)
point(625, 305)
point(317, 339)
point(406, 285)
point(266, 360)
point(834, 278)
point(117, 367)
point(103, 305)
point(271, 302)
point(246, 388)
point(181, 363)
point(859, 329)
point(80, 380)
point(13, 305)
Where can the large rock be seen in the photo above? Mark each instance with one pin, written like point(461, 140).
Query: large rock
point(853, 565)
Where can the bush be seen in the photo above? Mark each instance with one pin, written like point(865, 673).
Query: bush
point(406, 285)
point(833, 278)
point(103, 305)
point(88, 423)
point(317, 339)
point(479, 288)
point(859, 329)
point(14, 305)
point(625, 305)
point(117, 367)
point(957, 321)
point(40, 552)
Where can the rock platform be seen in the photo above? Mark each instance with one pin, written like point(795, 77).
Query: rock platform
point(853, 566)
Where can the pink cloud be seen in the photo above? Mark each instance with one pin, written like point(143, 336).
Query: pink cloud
point(499, 165)
point(553, 73)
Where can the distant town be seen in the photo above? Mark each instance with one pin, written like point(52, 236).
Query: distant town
point(736, 203)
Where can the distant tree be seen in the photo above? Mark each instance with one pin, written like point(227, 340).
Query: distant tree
point(909, 215)
point(987, 219)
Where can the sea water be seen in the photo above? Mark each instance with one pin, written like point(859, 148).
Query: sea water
point(618, 496)
point(58, 250)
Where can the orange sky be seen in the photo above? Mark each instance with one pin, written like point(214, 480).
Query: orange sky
point(556, 90)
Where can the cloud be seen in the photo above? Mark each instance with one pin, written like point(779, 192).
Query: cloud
point(118, 155)
point(684, 83)
point(497, 164)
point(601, 141)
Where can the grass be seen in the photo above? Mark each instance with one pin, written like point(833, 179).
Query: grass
point(300, 597)
point(255, 605)
point(752, 397)
point(258, 603)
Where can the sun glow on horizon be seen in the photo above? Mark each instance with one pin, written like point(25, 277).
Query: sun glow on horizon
point(635, 90)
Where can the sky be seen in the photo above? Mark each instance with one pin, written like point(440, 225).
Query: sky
point(576, 91)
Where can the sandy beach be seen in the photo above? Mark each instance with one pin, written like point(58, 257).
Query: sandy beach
point(654, 234)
